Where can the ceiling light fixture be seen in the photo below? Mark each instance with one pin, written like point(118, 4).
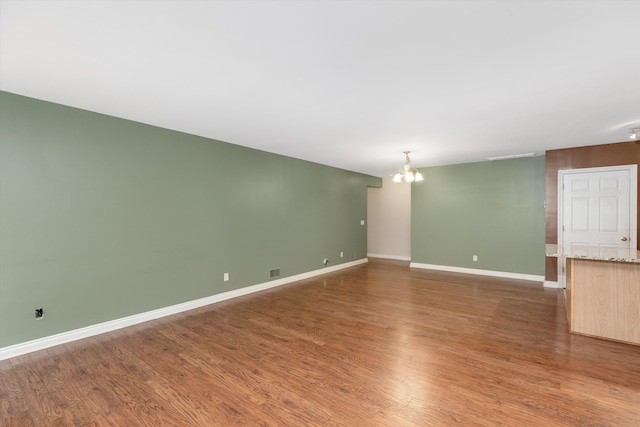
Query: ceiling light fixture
point(407, 174)
point(634, 132)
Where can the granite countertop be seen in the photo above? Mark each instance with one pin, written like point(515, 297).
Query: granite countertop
point(594, 253)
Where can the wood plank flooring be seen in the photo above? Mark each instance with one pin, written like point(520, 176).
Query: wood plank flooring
point(379, 344)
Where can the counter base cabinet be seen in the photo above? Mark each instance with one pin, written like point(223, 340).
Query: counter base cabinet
point(605, 299)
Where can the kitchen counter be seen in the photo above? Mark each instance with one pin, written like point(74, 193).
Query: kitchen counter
point(602, 291)
point(594, 253)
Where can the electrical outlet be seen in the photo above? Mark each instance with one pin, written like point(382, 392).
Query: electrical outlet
point(39, 313)
point(341, 254)
point(475, 258)
point(226, 277)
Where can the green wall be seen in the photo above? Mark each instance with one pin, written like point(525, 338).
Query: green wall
point(491, 209)
point(102, 218)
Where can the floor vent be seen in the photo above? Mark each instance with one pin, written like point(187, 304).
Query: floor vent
point(274, 273)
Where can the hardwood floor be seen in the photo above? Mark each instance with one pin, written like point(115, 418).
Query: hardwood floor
point(375, 345)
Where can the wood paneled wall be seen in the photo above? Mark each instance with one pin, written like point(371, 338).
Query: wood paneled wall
point(621, 153)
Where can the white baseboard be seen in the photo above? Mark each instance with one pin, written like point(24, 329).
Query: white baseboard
point(550, 284)
point(518, 276)
point(395, 257)
point(112, 325)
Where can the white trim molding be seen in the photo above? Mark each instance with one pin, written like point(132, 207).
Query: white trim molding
point(551, 284)
point(478, 272)
point(394, 257)
point(112, 325)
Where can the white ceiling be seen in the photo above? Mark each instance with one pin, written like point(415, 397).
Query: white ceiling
point(350, 84)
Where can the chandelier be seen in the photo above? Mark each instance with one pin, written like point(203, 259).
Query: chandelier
point(407, 174)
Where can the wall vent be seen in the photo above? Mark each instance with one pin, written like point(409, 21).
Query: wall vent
point(352, 256)
point(275, 272)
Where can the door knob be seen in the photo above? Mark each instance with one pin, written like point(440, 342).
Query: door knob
point(624, 239)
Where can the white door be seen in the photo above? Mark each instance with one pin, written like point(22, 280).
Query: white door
point(597, 208)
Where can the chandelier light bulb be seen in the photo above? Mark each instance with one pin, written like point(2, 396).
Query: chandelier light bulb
point(407, 174)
